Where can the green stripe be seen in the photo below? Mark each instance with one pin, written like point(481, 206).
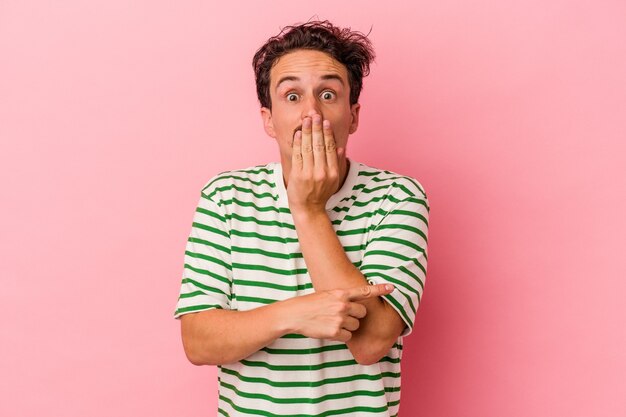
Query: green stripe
point(378, 267)
point(267, 253)
point(398, 283)
point(293, 336)
point(198, 307)
point(191, 294)
point(308, 351)
point(324, 414)
point(409, 213)
point(403, 227)
point(261, 222)
point(265, 237)
point(209, 258)
point(376, 199)
point(209, 228)
point(253, 267)
point(404, 177)
point(295, 384)
point(264, 284)
point(393, 301)
point(402, 242)
point(271, 195)
point(204, 287)
point(348, 218)
point(302, 400)
point(209, 273)
point(397, 256)
point(308, 367)
point(257, 208)
point(257, 300)
point(210, 213)
point(208, 243)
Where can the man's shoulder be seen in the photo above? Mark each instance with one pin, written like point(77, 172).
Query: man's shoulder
point(403, 186)
point(247, 179)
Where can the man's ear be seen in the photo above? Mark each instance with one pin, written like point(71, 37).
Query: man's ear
point(268, 124)
point(354, 110)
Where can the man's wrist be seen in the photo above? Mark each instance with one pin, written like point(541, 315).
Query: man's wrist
point(302, 214)
point(281, 318)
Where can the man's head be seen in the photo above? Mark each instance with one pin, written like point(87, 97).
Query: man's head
point(313, 67)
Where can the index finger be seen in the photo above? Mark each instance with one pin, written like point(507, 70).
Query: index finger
point(369, 291)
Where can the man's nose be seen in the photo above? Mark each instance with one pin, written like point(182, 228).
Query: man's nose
point(311, 107)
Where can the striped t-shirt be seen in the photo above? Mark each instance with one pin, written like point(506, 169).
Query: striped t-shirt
point(243, 253)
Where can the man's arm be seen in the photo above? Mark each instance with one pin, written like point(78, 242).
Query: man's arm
point(219, 336)
point(314, 177)
point(330, 268)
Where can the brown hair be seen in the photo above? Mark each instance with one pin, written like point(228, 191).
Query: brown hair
point(350, 48)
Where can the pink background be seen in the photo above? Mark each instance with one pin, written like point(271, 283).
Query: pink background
point(113, 114)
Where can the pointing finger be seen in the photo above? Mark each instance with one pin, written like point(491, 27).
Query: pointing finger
point(369, 291)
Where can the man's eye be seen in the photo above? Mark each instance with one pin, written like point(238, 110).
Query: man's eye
point(291, 95)
point(326, 94)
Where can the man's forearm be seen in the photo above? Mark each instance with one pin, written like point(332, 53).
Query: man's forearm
point(330, 268)
point(218, 336)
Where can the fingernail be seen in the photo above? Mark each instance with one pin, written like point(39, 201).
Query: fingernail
point(389, 287)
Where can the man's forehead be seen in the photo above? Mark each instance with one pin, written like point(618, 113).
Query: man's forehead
point(305, 64)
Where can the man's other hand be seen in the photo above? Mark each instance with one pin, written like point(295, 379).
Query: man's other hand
point(331, 314)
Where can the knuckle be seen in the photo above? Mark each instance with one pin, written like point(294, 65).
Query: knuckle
point(319, 177)
point(307, 148)
point(344, 307)
point(338, 308)
point(367, 290)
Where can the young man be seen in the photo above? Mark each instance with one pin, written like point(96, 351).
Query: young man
point(284, 284)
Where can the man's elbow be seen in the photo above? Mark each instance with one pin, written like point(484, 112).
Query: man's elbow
point(368, 359)
point(370, 353)
point(197, 351)
point(193, 355)
point(196, 359)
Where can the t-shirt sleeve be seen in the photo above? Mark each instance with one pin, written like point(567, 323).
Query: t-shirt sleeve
point(207, 272)
point(396, 253)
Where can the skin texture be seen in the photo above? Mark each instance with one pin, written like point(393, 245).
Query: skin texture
point(311, 119)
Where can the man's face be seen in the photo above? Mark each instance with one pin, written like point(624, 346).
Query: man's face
point(306, 81)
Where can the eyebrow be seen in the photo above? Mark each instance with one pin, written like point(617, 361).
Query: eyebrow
point(323, 77)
